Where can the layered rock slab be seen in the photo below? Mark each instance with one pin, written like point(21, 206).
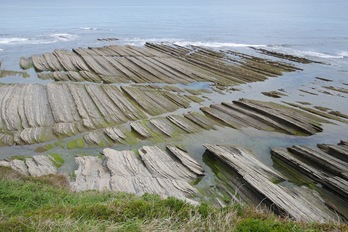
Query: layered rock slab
point(152, 171)
point(258, 179)
point(38, 165)
point(261, 115)
point(155, 62)
point(36, 113)
point(326, 167)
point(265, 116)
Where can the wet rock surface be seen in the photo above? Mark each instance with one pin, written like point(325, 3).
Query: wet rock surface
point(166, 63)
point(327, 166)
point(286, 56)
point(265, 116)
point(256, 182)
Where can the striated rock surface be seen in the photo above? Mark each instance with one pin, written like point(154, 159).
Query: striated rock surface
point(260, 115)
point(186, 160)
point(91, 174)
point(286, 56)
point(35, 113)
point(265, 116)
point(257, 182)
point(156, 62)
point(152, 171)
point(327, 168)
point(38, 165)
point(66, 109)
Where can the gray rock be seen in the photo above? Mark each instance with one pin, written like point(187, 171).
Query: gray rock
point(40, 165)
point(154, 171)
point(19, 166)
point(4, 163)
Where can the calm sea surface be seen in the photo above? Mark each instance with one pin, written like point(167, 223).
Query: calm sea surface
point(302, 27)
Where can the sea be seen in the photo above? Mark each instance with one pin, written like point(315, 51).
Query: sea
point(301, 27)
point(316, 30)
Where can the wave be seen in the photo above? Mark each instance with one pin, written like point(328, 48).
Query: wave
point(52, 38)
point(306, 53)
point(13, 40)
point(343, 53)
point(217, 44)
point(139, 42)
point(319, 55)
point(63, 36)
point(88, 28)
point(1, 49)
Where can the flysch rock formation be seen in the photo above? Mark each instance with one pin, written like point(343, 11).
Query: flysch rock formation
point(285, 56)
point(163, 63)
point(238, 114)
point(151, 171)
point(327, 166)
point(265, 116)
point(258, 180)
point(37, 113)
point(38, 165)
point(339, 151)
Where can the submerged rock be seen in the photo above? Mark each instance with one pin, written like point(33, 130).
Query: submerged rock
point(286, 56)
point(274, 94)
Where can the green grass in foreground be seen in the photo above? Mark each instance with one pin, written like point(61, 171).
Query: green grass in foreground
point(46, 204)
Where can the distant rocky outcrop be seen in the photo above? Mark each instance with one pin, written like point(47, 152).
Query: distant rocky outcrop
point(154, 63)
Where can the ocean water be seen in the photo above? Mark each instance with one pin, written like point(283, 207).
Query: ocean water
point(301, 27)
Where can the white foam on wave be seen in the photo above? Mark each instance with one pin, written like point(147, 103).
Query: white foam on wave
point(1, 49)
point(22, 40)
point(52, 38)
point(319, 55)
point(88, 28)
point(139, 42)
point(13, 40)
point(343, 53)
point(217, 44)
point(63, 36)
point(306, 53)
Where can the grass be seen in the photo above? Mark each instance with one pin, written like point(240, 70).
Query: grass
point(77, 143)
point(47, 204)
point(44, 148)
point(19, 157)
point(57, 160)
